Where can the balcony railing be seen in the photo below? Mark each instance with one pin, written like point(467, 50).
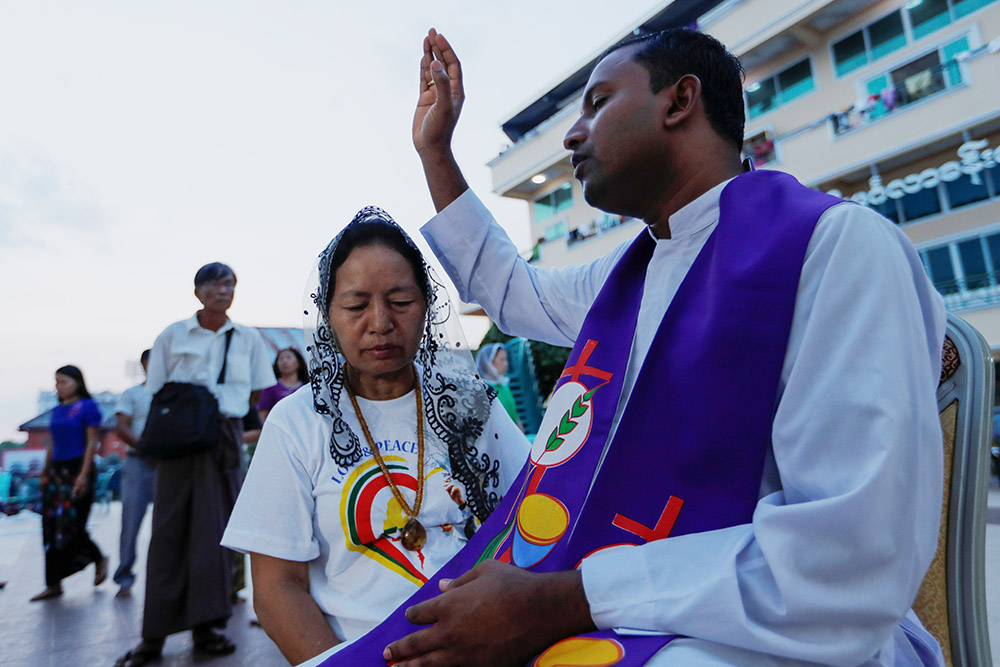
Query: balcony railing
point(978, 290)
point(597, 227)
point(858, 115)
point(919, 86)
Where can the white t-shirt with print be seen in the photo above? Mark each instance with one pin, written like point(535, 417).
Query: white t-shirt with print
point(298, 505)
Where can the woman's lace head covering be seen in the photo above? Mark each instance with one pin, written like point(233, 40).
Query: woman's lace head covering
point(484, 364)
point(456, 402)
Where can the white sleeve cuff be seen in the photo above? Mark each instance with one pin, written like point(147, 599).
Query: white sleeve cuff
point(608, 592)
point(461, 218)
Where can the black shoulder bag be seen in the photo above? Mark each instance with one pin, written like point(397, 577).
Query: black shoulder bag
point(183, 418)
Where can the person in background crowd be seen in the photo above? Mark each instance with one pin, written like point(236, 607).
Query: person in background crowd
point(188, 573)
point(491, 362)
point(68, 485)
point(138, 476)
point(291, 372)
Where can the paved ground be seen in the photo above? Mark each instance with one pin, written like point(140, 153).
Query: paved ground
point(89, 626)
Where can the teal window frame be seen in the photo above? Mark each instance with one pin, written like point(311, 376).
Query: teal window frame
point(964, 265)
point(963, 8)
point(912, 31)
point(781, 95)
point(553, 203)
point(555, 231)
point(925, 25)
point(951, 75)
point(872, 51)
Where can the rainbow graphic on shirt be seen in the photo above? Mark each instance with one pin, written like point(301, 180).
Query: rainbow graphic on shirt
point(371, 516)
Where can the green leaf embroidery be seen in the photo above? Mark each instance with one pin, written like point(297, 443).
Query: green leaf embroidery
point(569, 420)
point(553, 442)
point(565, 424)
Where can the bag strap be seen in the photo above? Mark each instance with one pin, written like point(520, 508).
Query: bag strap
point(225, 357)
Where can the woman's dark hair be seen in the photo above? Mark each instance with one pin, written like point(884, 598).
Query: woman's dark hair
point(375, 232)
point(77, 375)
point(670, 54)
point(213, 271)
point(302, 372)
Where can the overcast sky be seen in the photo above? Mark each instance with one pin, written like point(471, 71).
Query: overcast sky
point(139, 141)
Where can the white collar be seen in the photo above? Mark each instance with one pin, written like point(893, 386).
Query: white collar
point(695, 215)
point(192, 323)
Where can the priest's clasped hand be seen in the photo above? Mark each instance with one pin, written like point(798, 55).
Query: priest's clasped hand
point(493, 615)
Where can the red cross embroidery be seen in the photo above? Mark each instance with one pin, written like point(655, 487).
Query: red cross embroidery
point(662, 528)
point(581, 368)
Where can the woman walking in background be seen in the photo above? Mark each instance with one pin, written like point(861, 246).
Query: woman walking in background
point(291, 372)
point(67, 485)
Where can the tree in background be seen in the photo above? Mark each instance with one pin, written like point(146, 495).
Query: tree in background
point(549, 359)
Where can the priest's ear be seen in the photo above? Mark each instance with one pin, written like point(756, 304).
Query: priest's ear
point(683, 101)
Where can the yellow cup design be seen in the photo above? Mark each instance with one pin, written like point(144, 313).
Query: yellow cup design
point(541, 521)
point(581, 652)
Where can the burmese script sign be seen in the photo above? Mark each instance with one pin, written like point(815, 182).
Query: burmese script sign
point(974, 157)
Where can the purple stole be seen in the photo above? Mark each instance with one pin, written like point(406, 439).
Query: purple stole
point(688, 453)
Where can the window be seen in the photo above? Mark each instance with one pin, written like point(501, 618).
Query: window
point(553, 203)
point(973, 264)
point(761, 97)
point(556, 230)
point(894, 31)
point(760, 148)
point(889, 209)
point(941, 270)
point(920, 78)
point(781, 88)
point(993, 247)
point(963, 191)
point(850, 53)
point(875, 40)
point(926, 16)
point(887, 35)
point(920, 204)
point(966, 266)
point(934, 190)
point(965, 7)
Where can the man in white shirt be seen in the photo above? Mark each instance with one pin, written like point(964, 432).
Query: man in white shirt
point(846, 519)
point(188, 574)
point(138, 476)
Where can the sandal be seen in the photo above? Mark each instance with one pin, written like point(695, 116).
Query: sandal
point(140, 655)
point(214, 644)
point(49, 593)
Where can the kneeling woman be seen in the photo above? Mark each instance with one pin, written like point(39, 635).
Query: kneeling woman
point(370, 479)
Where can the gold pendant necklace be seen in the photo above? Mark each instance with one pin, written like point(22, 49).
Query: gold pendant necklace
point(413, 534)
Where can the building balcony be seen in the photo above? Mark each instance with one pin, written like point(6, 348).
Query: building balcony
point(926, 97)
point(586, 243)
